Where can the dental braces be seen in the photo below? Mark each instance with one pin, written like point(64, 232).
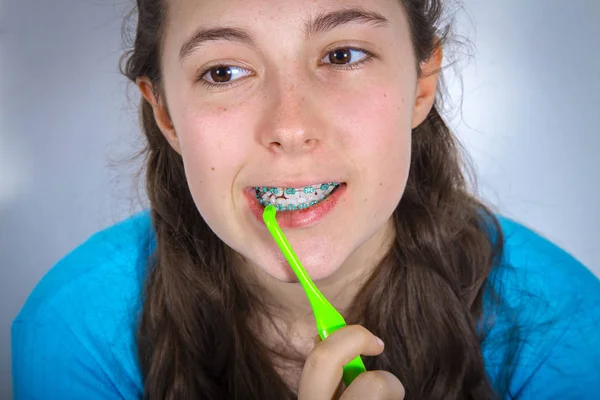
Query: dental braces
point(291, 191)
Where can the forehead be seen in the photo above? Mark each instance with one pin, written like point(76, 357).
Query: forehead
point(283, 20)
point(290, 10)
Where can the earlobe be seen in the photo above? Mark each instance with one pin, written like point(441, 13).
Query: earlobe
point(161, 115)
point(427, 87)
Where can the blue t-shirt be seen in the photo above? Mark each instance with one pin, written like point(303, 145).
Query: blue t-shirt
point(75, 336)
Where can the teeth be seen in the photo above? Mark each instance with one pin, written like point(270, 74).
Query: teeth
point(290, 199)
point(292, 202)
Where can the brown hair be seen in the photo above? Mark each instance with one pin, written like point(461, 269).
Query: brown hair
point(425, 300)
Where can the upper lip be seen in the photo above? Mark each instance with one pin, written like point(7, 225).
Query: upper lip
point(298, 183)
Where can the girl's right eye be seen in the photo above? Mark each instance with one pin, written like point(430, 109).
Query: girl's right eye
point(222, 76)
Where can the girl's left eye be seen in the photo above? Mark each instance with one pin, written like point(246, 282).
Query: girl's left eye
point(222, 75)
point(346, 56)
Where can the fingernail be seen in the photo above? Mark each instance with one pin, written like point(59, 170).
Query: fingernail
point(379, 341)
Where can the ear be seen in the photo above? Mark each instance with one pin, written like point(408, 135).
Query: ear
point(161, 115)
point(426, 87)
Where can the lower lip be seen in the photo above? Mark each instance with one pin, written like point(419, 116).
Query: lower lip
point(299, 218)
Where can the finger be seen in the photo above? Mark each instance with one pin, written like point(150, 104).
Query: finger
point(323, 369)
point(376, 385)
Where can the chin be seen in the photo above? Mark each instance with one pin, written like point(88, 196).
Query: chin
point(318, 266)
point(321, 267)
point(282, 273)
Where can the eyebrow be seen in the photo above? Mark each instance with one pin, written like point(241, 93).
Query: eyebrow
point(327, 21)
point(204, 35)
point(322, 23)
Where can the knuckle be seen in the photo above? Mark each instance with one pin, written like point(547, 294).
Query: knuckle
point(380, 385)
point(319, 357)
point(377, 382)
point(361, 329)
point(394, 387)
point(361, 332)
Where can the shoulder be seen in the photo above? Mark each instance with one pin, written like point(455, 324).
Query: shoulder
point(549, 316)
point(86, 307)
point(110, 264)
point(533, 264)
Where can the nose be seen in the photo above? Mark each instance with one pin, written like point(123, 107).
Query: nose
point(292, 122)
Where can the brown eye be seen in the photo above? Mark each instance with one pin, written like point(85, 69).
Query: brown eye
point(221, 74)
point(346, 57)
point(340, 56)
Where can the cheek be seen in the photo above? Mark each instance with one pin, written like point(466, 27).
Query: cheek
point(379, 145)
point(377, 126)
point(204, 138)
point(206, 134)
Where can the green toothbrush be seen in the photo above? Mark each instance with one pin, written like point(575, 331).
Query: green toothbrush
point(326, 316)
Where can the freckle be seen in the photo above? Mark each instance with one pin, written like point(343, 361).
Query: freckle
point(380, 183)
point(385, 95)
point(212, 169)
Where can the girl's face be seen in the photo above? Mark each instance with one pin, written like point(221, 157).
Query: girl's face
point(291, 96)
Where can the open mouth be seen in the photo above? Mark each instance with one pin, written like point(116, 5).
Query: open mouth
point(293, 199)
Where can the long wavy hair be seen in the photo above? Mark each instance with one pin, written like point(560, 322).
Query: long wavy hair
point(196, 337)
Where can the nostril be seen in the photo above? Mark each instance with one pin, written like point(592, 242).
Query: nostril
point(275, 145)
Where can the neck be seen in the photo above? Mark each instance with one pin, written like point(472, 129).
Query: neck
point(287, 301)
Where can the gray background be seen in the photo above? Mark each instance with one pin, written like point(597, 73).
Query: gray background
point(529, 118)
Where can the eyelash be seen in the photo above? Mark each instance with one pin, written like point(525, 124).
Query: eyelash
point(369, 57)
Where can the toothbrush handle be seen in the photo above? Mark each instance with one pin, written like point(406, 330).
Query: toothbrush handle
point(327, 318)
point(352, 370)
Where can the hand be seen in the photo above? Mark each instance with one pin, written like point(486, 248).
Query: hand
point(322, 373)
